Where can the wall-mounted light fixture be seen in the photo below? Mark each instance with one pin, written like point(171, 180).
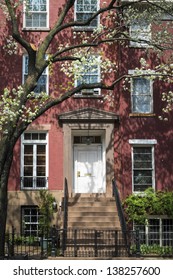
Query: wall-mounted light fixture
point(54, 205)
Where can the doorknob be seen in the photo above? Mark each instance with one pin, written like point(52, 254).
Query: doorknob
point(78, 173)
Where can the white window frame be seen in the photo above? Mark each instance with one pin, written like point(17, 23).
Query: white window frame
point(34, 143)
point(30, 222)
point(145, 143)
point(35, 12)
point(132, 72)
point(87, 27)
point(45, 73)
point(149, 238)
point(140, 34)
point(90, 92)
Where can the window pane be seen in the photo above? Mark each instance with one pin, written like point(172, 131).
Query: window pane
point(154, 231)
point(28, 149)
point(142, 158)
point(167, 232)
point(41, 149)
point(35, 136)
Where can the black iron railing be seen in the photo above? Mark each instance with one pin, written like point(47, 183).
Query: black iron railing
point(119, 206)
point(120, 213)
point(65, 218)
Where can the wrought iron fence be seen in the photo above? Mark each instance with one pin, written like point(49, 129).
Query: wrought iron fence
point(93, 243)
point(106, 243)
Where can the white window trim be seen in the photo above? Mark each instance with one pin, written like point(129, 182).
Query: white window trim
point(143, 143)
point(35, 28)
point(32, 142)
point(132, 72)
point(87, 27)
point(46, 72)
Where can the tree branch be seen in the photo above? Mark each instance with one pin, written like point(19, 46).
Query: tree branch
point(15, 31)
point(59, 26)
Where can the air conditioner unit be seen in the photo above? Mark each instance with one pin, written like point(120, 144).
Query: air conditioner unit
point(90, 91)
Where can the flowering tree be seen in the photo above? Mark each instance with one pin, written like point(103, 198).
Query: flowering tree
point(20, 106)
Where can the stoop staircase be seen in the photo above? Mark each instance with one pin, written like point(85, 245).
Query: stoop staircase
point(92, 213)
point(93, 228)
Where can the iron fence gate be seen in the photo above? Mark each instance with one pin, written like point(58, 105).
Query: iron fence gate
point(93, 243)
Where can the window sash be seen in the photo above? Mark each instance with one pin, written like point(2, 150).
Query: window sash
point(90, 74)
point(141, 95)
point(42, 83)
point(30, 221)
point(36, 14)
point(140, 30)
point(34, 161)
point(143, 168)
point(84, 9)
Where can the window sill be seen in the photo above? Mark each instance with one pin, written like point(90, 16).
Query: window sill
point(32, 189)
point(84, 28)
point(90, 96)
point(143, 115)
point(43, 29)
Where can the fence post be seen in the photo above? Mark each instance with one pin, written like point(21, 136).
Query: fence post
point(41, 243)
point(12, 242)
point(138, 250)
point(75, 242)
point(53, 249)
point(116, 243)
point(95, 244)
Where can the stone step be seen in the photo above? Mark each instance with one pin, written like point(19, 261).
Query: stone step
point(90, 199)
point(95, 214)
point(93, 224)
point(84, 208)
point(91, 218)
point(92, 204)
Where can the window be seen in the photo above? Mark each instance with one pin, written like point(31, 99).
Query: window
point(84, 9)
point(42, 84)
point(157, 231)
point(140, 32)
point(143, 168)
point(30, 221)
point(36, 14)
point(90, 73)
point(141, 95)
point(34, 160)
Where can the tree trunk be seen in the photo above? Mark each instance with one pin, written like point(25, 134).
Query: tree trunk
point(5, 165)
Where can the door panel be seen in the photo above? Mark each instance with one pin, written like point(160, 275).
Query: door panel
point(88, 169)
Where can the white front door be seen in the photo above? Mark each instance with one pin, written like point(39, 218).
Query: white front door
point(88, 169)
